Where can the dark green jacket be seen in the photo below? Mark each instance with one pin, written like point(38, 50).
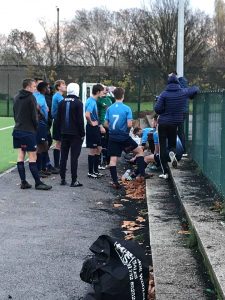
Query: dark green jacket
point(103, 103)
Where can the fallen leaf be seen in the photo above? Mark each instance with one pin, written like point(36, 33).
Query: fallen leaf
point(184, 232)
point(134, 228)
point(116, 205)
point(140, 219)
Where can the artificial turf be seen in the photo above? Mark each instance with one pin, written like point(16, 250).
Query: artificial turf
point(8, 155)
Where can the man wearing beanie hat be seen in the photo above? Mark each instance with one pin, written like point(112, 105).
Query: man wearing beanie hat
point(71, 126)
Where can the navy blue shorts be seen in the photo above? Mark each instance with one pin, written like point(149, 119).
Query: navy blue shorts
point(115, 148)
point(42, 132)
point(93, 136)
point(24, 140)
point(56, 134)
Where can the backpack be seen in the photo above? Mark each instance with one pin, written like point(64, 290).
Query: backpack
point(118, 270)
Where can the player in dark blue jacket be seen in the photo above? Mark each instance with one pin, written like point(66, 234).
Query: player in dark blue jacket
point(170, 107)
point(119, 121)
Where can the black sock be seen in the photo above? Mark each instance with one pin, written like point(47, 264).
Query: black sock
point(39, 161)
point(21, 170)
point(141, 165)
point(136, 172)
point(56, 154)
point(113, 173)
point(44, 160)
point(96, 163)
point(34, 172)
point(91, 163)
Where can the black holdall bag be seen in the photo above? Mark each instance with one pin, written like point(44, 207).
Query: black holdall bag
point(117, 271)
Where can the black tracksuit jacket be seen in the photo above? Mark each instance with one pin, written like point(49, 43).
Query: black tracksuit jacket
point(25, 112)
point(70, 117)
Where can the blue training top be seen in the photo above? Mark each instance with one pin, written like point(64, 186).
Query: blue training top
point(56, 99)
point(41, 101)
point(145, 133)
point(117, 116)
point(91, 107)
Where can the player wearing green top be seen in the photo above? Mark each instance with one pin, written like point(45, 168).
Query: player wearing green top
point(103, 103)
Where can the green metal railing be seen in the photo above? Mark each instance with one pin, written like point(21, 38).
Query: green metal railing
point(208, 136)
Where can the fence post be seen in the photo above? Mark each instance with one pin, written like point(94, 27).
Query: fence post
point(186, 134)
point(222, 169)
point(205, 132)
point(8, 99)
point(193, 142)
point(139, 95)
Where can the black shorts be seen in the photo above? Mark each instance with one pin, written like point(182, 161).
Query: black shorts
point(24, 140)
point(56, 134)
point(115, 148)
point(42, 132)
point(93, 136)
point(105, 139)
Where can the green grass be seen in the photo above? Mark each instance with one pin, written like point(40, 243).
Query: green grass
point(3, 108)
point(145, 106)
point(8, 155)
point(5, 122)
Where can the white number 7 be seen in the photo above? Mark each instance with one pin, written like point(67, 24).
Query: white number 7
point(115, 121)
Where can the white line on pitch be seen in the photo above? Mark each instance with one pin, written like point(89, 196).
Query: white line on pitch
point(6, 127)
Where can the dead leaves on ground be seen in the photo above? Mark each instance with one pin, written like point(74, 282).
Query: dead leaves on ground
point(135, 190)
point(151, 287)
point(140, 219)
point(132, 226)
point(218, 206)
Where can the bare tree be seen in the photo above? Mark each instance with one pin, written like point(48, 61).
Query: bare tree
point(48, 48)
point(91, 39)
point(151, 36)
point(219, 30)
point(22, 47)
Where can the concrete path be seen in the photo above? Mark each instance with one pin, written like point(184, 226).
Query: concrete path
point(176, 271)
point(198, 198)
point(45, 236)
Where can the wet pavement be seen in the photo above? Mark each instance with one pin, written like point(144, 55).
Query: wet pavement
point(45, 235)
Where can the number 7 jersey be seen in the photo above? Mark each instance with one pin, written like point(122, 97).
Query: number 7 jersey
point(117, 116)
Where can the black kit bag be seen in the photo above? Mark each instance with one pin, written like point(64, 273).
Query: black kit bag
point(117, 271)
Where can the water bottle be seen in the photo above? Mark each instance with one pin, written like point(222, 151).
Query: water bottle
point(126, 175)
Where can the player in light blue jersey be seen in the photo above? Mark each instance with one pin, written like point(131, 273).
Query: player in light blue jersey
point(93, 131)
point(60, 87)
point(119, 121)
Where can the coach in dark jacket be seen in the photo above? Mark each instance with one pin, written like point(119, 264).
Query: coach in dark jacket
point(170, 107)
point(71, 125)
point(24, 133)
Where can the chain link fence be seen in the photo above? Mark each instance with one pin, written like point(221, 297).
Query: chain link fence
point(208, 136)
point(141, 85)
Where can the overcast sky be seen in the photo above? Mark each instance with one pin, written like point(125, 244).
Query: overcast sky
point(25, 14)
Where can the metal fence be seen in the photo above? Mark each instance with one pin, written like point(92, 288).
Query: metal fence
point(208, 136)
point(141, 85)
